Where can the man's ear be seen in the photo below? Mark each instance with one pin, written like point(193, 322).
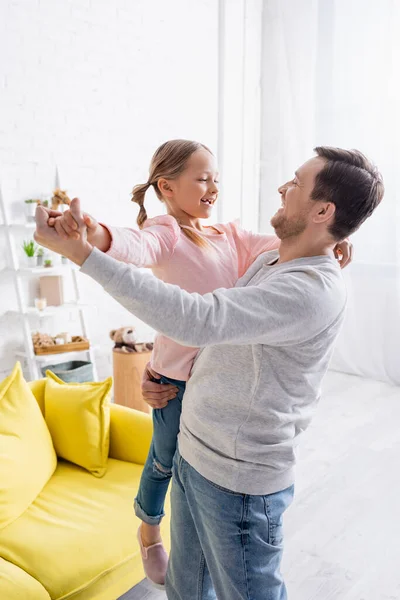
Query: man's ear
point(324, 212)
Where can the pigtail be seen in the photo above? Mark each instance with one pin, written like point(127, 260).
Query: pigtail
point(138, 194)
point(194, 237)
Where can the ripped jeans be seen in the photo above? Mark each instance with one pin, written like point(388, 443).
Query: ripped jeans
point(157, 472)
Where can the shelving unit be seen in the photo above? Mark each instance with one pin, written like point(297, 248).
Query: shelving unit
point(25, 313)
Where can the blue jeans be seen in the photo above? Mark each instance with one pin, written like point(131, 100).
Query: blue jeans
point(157, 472)
point(224, 544)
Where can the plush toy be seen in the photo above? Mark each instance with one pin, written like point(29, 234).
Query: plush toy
point(125, 338)
point(59, 197)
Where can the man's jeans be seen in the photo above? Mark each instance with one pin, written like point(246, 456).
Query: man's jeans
point(224, 545)
point(157, 471)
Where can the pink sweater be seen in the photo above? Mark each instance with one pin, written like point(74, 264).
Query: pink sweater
point(173, 258)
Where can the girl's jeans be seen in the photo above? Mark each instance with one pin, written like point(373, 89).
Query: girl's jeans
point(157, 472)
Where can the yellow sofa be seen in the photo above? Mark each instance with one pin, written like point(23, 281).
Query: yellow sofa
point(77, 540)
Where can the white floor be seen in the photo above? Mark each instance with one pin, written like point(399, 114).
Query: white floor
point(343, 530)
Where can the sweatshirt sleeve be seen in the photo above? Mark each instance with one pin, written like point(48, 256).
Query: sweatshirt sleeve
point(147, 247)
point(287, 309)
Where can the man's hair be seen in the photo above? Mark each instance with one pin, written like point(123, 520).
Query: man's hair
point(352, 183)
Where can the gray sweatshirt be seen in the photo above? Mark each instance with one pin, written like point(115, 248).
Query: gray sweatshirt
point(265, 347)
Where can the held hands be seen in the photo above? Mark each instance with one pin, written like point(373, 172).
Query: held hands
point(76, 249)
point(67, 227)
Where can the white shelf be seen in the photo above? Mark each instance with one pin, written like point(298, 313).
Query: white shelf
point(19, 225)
point(46, 357)
point(18, 271)
point(32, 271)
point(49, 311)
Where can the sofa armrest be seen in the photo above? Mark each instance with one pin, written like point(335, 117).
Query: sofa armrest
point(130, 434)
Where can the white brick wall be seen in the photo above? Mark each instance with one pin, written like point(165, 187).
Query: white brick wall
point(94, 88)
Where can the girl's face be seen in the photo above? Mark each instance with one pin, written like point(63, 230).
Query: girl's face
point(195, 191)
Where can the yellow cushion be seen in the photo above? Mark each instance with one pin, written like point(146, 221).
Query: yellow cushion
point(86, 529)
point(27, 457)
point(78, 417)
point(16, 584)
point(130, 434)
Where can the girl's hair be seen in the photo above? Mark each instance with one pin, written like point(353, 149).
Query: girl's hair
point(169, 161)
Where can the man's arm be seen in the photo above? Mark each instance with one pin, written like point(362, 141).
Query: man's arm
point(283, 311)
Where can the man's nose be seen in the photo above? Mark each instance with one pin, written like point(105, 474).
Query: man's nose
point(282, 188)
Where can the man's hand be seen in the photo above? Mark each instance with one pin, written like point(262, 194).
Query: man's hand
point(155, 394)
point(344, 252)
point(76, 250)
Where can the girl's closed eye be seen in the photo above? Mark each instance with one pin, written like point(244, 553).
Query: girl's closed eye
point(216, 181)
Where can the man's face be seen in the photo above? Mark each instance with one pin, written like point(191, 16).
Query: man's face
point(297, 210)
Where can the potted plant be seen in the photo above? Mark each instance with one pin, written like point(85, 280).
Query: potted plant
point(48, 263)
point(30, 251)
point(30, 209)
point(39, 257)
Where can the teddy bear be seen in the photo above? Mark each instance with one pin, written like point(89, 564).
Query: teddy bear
point(59, 197)
point(125, 340)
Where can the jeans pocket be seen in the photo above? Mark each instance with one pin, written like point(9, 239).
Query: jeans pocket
point(274, 506)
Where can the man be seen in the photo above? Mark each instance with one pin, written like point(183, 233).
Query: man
point(266, 346)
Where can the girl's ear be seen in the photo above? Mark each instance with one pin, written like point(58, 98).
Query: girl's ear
point(165, 187)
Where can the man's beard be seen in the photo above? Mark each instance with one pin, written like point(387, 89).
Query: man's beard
point(287, 228)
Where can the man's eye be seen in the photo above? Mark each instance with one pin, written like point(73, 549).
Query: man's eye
point(216, 181)
point(202, 179)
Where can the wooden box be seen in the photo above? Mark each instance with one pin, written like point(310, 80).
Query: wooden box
point(58, 349)
point(128, 369)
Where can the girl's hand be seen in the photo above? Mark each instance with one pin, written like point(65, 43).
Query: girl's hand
point(344, 252)
point(155, 394)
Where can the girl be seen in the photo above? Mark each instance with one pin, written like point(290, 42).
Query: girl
point(180, 250)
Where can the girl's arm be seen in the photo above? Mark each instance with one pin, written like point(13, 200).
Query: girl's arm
point(143, 248)
point(258, 243)
point(98, 235)
point(250, 245)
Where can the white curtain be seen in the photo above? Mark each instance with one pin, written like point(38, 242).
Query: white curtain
point(331, 76)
